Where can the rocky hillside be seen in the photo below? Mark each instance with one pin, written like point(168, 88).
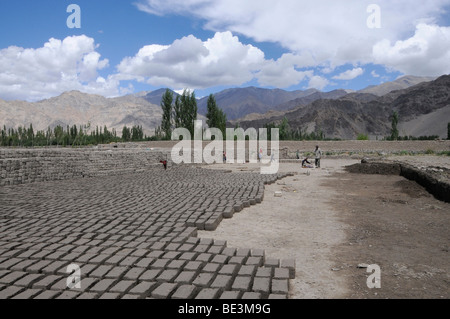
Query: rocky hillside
point(239, 102)
point(399, 84)
point(423, 110)
point(76, 108)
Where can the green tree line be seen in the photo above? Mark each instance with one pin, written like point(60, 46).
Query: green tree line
point(70, 136)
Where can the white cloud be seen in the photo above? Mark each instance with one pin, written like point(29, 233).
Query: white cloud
point(58, 66)
point(349, 74)
point(375, 74)
point(283, 72)
point(318, 82)
point(221, 60)
point(426, 53)
point(331, 32)
point(190, 62)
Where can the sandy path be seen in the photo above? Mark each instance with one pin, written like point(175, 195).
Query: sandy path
point(300, 225)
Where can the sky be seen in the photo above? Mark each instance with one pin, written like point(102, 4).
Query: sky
point(114, 48)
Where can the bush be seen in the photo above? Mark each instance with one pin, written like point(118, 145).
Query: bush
point(362, 137)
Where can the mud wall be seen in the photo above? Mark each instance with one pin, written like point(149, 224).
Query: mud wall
point(435, 180)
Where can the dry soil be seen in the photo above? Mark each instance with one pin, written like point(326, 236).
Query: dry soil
point(331, 222)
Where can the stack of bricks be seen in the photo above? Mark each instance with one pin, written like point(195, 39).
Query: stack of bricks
point(37, 165)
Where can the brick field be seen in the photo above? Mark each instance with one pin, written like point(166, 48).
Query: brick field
point(134, 236)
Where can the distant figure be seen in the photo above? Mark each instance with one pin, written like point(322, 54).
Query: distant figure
point(164, 164)
point(304, 162)
point(298, 155)
point(318, 154)
point(260, 154)
point(224, 157)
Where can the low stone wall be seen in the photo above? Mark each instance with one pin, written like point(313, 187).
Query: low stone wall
point(290, 147)
point(436, 180)
point(21, 166)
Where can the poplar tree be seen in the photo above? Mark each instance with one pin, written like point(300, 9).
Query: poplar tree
point(166, 105)
point(216, 118)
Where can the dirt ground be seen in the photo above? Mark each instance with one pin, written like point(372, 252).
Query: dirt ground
point(331, 222)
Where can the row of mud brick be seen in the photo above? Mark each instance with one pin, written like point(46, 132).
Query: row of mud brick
point(29, 166)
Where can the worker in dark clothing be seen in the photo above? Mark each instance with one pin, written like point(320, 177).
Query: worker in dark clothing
point(305, 161)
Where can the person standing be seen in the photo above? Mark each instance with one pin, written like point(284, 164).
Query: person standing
point(164, 162)
point(318, 154)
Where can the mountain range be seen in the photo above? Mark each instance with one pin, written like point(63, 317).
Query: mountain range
point(423, 109)
point(421, 103)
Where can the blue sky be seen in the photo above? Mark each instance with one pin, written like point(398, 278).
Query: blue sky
point(126, 47)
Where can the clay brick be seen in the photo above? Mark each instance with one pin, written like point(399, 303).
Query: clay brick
point(231, 295)
point(110, 295)
point(129, 296)
point(145, 262)
point(240, 260)
point(243, 252)
point(164, 291)
point(143, 288)
point(176, 264)
point(208, 293)
point(290, 265)
point(122, 286)
point(280, 286)
point(185, 292)
point(134, 273)
point(88, 296)
point(251, 295)
point(194, 266)
point(12, 277)
point(103, 285)
point(150, 275)
point(28, 280)
point(281, 273)
point(68, 295)
point(264, 272)
point(222, 282)
point(101, 271)
point(167, 275)
point(10, 291)
point(210, 267)
point(204, 279)
point(247, 270)
point(27, 294)
point(242, 283)
point(272, 263)
point(47, 294)
point(21, 266)
point(262, 285)
point(186, 277)
point(204, 257)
